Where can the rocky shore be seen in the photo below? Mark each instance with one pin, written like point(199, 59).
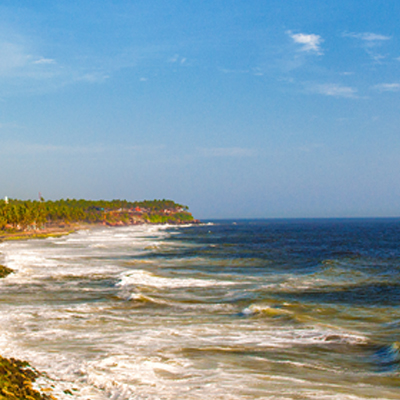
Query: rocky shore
point(16, 380)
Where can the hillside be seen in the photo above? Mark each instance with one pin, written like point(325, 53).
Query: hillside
point(27, 215)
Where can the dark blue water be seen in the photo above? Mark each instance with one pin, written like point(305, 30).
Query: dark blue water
point(341, 250)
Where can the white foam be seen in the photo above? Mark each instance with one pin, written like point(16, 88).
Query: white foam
point(265, 309)
point(145, 278)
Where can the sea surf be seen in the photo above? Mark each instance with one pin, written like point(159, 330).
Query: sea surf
point(246, 309)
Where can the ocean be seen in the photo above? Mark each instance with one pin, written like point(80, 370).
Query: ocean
point(246, 309)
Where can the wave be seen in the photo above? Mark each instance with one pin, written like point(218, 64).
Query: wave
point(256, 309)
point(144, 278)
point(143, 299)
point(386, 358)
point(305, 329)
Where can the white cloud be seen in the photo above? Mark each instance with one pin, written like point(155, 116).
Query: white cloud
point(368, 36)
point(334, 90)
point(388, 87)
point(308, 42)
point(228, 152)
point(45, 61)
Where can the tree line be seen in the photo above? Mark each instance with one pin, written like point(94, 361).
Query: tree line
point(30, 214)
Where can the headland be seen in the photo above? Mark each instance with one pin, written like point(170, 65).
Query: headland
point(27, 219)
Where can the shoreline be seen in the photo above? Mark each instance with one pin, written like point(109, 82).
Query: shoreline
point(18, 376)
point(38, 234)
point(66, 229)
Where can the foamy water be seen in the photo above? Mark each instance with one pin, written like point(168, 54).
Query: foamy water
point(206, 312)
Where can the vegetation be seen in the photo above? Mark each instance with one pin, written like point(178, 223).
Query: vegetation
point(23, 215)
point(16, 378)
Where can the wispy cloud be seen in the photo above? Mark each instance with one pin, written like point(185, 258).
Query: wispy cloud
point(28, 65)
point(369, 37)
point(370, 42)
point(334, 90)
point(308, 42)
point(23, 70)
point(93, 77)
point(228, 152)
point(17, 60)
point(44, 61)
point(388, 87)
point(177, 59)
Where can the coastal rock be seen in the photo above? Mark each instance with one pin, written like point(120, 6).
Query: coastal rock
point(4, 271)
point(16, 378)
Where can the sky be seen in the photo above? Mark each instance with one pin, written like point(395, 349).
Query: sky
point(238, 109)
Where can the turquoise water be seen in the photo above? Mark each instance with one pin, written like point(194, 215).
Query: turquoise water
point(302, 309)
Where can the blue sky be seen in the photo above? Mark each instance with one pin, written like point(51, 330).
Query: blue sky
point(236, 108)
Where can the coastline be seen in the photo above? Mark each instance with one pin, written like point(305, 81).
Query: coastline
point(66, 229)
point(18, 376)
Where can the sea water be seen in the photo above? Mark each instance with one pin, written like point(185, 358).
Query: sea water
point(266, 309)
